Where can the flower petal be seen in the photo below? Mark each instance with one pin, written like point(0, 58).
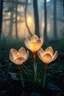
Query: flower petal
point(22, 51)
point(34, 38)
point(47, 58)
point(39, 55)
point(19, 60)
point(42, 39)
point(18, 57)
point(37, 45)
point(49, 50)
point(55, 55)
point(11, 56)
point(13, 52)
point(41, 51)
point(27, 43)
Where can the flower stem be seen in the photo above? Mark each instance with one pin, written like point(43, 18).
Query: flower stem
point(44, 78)
point(35, 67)
point(21, 76)
point(35, 73)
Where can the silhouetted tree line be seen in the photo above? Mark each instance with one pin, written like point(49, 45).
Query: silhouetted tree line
point(62, 3)
point(1, 15)
point(36, 16)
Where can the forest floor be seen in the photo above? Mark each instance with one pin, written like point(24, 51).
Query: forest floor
point(9, 83)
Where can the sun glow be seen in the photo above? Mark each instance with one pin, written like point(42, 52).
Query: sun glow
point(29, 19)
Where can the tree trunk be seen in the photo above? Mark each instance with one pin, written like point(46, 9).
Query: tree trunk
point(26, 5)
point(45, 21)
point(36, 17)
point(11, 24)
point(16, 27)
point(1, 15)
point(54, 20)
point(63, 7)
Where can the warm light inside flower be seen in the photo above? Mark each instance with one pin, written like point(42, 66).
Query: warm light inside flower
point(47, 56)
point(18, 57)
point(34, 44)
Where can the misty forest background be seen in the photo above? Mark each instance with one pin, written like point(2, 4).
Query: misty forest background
point(19, 18)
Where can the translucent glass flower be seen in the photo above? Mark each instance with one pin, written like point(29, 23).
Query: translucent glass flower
point(18, 57)
point(34, 44)
point(48, 55)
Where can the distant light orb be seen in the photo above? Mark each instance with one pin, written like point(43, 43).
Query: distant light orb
point(47, 0)
point(29, 1)
point(20, 9)
point(9, 13)
point(29, 19)
point(18, 18)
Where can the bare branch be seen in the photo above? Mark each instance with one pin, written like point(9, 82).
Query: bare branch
point(26, 19)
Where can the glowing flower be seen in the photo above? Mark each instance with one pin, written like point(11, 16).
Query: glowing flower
point(34, 44)
point(18, 57)
point(47, 56)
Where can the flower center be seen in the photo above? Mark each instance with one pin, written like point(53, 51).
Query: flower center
point(18, 55)
point(20, 58)
point(33, 43)
point(47, 58)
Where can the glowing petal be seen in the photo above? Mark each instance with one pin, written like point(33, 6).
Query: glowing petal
point(47, 58)
point(22, 51)
point(13, 52)
point(19, 60)
point(18, 57)
point(37, 45)
point(49, 50)
point(34, 38)
point(11, 56)
point(42, 39)
point(55, 56)
point(41, 51)
point(27, 43)
point(39, 55)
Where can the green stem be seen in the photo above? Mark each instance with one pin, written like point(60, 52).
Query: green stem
point(35, 73)
point(35, 67)
point(21, 76)
point(44, 78)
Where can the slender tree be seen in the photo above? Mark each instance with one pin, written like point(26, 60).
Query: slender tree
point(63, 6)
point(1, 15)
point(62, 3)
point(11, 25)
point(45, 21)
point(26, 5)
point(55, 20)
point(11, 19)
point(16, 27)
point(36, 16)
